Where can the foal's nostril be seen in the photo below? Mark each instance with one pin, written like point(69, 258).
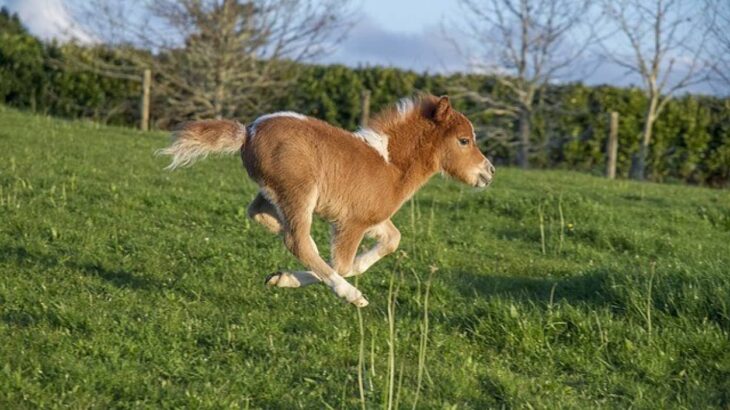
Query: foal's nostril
point(491, 169)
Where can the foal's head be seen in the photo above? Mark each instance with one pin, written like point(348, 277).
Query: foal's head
point(459, 155)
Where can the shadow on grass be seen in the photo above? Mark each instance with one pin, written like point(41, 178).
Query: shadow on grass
point(592, 287)
point(120, 278)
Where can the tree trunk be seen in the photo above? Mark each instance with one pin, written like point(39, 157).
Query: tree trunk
point(523, 133)
point(638, 162)
point(612, 147)
point(218, 100)
point(365, 108)
point(144, 120)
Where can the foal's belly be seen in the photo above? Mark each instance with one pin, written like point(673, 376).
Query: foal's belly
point(364, 211)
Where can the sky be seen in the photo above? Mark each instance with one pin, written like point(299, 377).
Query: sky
point(403, 33)
point(46, 19)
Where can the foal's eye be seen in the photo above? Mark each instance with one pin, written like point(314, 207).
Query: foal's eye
point(463, 141)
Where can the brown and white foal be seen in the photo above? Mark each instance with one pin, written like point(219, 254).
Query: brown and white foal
point(357, 181)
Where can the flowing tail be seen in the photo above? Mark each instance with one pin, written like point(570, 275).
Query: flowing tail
point(199, 138)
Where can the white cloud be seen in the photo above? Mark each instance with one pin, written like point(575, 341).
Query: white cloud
point(368, 43)
point(47, 19)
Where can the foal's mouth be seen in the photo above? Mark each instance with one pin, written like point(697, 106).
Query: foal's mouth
point(483, 181)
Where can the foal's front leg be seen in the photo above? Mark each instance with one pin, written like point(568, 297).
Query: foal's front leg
point(346, 239)
point(388, 237)
point(345, 242)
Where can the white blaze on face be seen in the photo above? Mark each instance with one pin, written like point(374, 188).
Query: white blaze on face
point(376, 140)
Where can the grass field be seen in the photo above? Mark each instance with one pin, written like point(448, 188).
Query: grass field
point(123, 285)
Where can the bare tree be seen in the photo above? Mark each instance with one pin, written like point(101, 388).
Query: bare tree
point(214, 58)
point(662, 41)
point(718, 19)
point(527, 43)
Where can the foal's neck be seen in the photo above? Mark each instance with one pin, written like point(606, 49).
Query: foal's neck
point(413, 153)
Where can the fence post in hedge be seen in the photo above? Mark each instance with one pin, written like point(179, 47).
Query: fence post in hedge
point(145, 114)
point(612, 147)
point(365, 107)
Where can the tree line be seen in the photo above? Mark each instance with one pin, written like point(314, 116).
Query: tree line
point(568, 123)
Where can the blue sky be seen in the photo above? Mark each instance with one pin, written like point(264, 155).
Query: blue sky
point(402, 33)
point(407, 16)
point(416, 47)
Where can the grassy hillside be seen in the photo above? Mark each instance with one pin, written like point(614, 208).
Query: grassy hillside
point(125, 285)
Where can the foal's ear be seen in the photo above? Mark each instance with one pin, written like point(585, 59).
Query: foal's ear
point(443, 109)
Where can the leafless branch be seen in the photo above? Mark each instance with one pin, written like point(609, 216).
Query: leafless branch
point(526, 44)
point(717, 18)
point(667, 43)
point(213, 58)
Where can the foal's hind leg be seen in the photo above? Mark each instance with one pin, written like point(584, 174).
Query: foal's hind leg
point(345, 241)
point(298, 222)
point(264, 212)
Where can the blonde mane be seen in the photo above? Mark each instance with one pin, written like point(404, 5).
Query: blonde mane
point(403, 110)
point(377, 135)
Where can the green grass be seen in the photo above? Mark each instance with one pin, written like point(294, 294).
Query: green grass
point(125, 285)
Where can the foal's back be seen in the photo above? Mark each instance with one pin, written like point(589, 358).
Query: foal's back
point(292, 156)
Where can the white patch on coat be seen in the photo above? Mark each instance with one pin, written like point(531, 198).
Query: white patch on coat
point(376, 140)
point(259, 120)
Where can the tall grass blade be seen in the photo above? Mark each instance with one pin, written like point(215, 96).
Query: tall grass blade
point(540, 213)
point(424, 339)
point(361, 355)
point(562, 224)
point(390, 380)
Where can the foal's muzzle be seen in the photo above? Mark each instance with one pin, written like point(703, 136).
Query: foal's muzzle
point(485, 175)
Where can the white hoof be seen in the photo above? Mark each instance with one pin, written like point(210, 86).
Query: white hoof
point(361, 302)
point(346, 291)
point(272, 279)
point(282, 280)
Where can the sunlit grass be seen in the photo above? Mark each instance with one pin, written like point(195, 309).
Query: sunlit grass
point(124, 285)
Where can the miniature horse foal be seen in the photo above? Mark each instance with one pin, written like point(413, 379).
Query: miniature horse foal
point(357, 181)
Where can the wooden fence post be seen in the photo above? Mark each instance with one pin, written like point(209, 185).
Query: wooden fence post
point(365, 106)
point(612, 147)
point(144, 124)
